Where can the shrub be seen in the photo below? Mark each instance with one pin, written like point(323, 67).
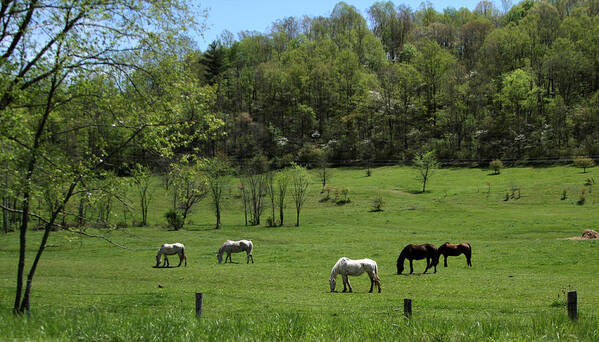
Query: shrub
point(311, 156)
point(582, 197)
point(270, 222)
point(342, 196)
point(496, 165)
point(515, 192)
point(584, 163)
point(327, 189)
point(564, 195)
point(590, 182)
point(378, 203)
point(174, 219)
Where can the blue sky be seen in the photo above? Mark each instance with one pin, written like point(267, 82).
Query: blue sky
point(258, 15)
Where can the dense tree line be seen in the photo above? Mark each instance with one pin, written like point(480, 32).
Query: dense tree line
point(516, 83)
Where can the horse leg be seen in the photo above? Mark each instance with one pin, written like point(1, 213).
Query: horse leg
point(349, 285)
point(468, 259)
point(180, 259)
point(344, 278)
point(445, 260)
point(411, 267)
point(427, 265)
point(166, 263)
point(371, 282)
point(252, 256)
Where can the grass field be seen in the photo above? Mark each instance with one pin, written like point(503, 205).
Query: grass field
point(89, 290)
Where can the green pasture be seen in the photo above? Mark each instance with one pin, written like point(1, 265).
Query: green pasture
point(90, 290)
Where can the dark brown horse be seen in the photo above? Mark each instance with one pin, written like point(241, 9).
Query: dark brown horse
point(418, 252)
point(449, 249)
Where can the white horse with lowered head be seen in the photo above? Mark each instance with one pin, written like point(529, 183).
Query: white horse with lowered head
point(347, 267)
point(235, 247)
point(171, 249)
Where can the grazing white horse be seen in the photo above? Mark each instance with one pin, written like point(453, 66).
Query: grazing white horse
point(235, 247)
point(171, 249)
point(347, 267)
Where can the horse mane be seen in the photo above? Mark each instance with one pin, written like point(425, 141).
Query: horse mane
point(404, 251)
point(335, 269)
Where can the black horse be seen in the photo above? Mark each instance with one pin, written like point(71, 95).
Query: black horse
point(449, 249)
point(418, 252)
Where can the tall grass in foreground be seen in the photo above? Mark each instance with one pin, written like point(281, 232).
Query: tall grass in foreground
point(179, 326)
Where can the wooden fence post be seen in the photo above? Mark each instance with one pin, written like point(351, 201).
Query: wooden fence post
point(572, 305)
point(407, 307)
point(199, 304)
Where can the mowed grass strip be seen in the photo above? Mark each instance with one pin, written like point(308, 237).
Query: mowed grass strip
point(521, 269)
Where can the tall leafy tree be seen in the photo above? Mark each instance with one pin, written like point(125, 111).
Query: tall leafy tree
point(79, 40)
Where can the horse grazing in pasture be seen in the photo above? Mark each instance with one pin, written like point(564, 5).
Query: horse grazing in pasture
point(418, 252)
point(347, 267)
point(449, 249)
point(235, 247)
point(171, 249)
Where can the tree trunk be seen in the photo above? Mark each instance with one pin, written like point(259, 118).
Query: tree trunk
point(297, 221)
point(5, 201)
point(25, 307)
point(27, 194)
point(217, 215)
point(144, 209)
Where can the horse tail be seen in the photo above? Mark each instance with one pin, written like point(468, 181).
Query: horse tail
point(376, 272)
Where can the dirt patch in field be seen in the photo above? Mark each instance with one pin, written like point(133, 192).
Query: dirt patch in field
point(588, 234)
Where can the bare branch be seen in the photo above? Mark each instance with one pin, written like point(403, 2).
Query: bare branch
point(96, 236)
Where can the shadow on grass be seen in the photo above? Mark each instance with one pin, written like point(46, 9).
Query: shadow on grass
point(414, 274)
point(200, 228)
point(416, 192)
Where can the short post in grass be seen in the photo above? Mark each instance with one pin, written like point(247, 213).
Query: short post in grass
point(572, 306)
point(199, 300)
point(407, 307)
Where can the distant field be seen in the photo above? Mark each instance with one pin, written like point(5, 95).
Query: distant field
point(88, 289)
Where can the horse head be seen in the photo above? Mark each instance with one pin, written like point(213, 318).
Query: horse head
point(332, 283)
point(219, 257)
point(400, 261)
point(399, 267)
point(158, 259)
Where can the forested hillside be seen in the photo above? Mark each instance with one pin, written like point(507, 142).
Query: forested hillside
point(517, 83)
